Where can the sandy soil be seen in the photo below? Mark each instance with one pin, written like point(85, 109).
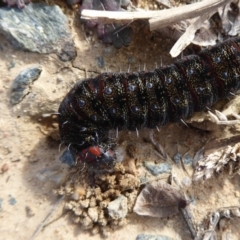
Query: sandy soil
point(29, 154)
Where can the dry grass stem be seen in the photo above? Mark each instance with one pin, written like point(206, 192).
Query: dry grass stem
point(158, 19)
point(109, 16)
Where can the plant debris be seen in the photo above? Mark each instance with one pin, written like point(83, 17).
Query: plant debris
point(159, 199)
point(226, 160)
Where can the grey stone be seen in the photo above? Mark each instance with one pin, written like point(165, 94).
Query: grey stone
point(100, 62)
point(187, 159)
point(12, 200)
point(177, 158)
point(68, 52)
point(68, 157)
point(118, 209)
point(38, 28)
point(157, 169)
point(152, 237)
point(21, 83)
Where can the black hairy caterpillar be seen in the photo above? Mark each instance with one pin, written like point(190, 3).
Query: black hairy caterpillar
point(145, 99)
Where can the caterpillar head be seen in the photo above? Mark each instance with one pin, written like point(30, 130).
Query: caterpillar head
point(97, 158)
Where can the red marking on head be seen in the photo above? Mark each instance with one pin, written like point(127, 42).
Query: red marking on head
point(95, 150)
point(89, 154)
point(96, 156)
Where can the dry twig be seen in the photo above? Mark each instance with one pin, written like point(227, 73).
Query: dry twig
point(158, 19)
point(43, 223)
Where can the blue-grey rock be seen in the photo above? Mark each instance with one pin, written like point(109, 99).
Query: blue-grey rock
point(186, 181)
point(38, 28)
point(157, 169)
point(152, 237)
point(177, 158)
point(187, 159)
point(143, 179)
point(68, 157)
point(22, 82)
point(118, 209)
point(100, 62)
point(192, 200)
point(12, 200)
point(11, 64)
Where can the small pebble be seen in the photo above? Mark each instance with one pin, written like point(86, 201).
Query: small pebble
point(126, 36)
point(177, 158)
point(117, 41)
point(11, 64)
point(84, 203)
point(152, 237)
point(95, 230)
point(186, 181)
point(193, 200)
point(4, 168)
point(93, 214)
point(157, 169)
point(68, 157)
point(22, 82)
point(29, 211)
point(12, 200)
point(118, 209)
point(131, 60)
point(16, 160)
point(143, 179)
point(236, 194)
point(101, 62)
point(187, 159)
point(59, 79)
point(75, 196)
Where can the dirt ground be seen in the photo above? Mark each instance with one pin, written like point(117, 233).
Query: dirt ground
point(29, 155)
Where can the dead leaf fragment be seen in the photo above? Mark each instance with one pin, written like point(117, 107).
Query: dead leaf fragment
point(159, 199)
